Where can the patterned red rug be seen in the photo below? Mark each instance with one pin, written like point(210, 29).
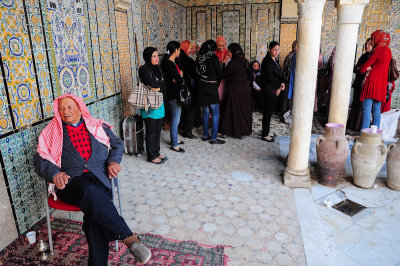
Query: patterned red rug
point(70, 248)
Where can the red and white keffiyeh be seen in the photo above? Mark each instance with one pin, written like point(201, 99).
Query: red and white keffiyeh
point(51, 138)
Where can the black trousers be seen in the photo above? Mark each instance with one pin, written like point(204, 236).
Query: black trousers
point(153, 132)
point(270, 101)
point(101, 221)
point(187, 119)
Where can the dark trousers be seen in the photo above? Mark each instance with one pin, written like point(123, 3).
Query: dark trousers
point(270, 101)
point(187, 119)
point(153, 131)
point(101, 221)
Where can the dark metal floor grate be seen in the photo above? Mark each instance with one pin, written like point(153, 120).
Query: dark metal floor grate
point(349, 207)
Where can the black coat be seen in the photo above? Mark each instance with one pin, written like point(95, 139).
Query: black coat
point(271, 75)
point(237, 117)
point(208, 91)
point(173, 79)
point(186, 64)
point(149, 78)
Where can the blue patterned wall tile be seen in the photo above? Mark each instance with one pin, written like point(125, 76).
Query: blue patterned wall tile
point(35, 22)
point(105, 47)
point(114, 43)
point(18, 64)
point(95, 48)
point(5, 118)
point(67, 36)
point(25, 186)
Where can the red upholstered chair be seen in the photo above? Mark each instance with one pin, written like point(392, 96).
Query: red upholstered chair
point(63, 206)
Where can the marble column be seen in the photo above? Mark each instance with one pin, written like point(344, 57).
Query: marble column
point(296, 173)
point(350, 14)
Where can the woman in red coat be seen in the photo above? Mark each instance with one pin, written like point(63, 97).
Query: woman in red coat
point(374, 90)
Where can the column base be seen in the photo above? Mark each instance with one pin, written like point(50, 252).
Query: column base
point(296, 178)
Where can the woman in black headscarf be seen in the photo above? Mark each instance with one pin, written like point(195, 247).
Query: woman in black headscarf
point(150, 75)
point(238, 75)
point(208, 72)
point(257, 99)
point(356, 111)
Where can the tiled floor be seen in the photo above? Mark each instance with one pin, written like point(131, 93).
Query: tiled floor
point(228, 194)
point(233, 195)
point(370, 237)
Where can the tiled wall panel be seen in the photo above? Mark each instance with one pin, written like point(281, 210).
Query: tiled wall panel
point(39, 53)
point(163, 21)
point(70, 34)
point(94, 36)
point(124, 61)
point(231, 23)
point(114, 45)
point(253, 26)
point(288, 35)
point(28, 191)
point(201, 23)
point(106, 55)
point(68, 41)
point(328, 30)
point(17, 59)
point(265, 28)
point(5, 118)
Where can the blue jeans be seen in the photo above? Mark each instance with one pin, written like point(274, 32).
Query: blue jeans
point(215, 116)
point(175, 117)
point(375, 105)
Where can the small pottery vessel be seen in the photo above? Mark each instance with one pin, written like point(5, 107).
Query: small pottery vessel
point(393, 166)
point(367, 157)
point(332, 152)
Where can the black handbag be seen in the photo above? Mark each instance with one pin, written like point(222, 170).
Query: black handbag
point(184, 96)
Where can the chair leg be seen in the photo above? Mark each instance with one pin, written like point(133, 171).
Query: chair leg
point(49, 228)
point(113, 200)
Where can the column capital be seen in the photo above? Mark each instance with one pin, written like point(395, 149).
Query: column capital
point(310, 9)
point(350, 11)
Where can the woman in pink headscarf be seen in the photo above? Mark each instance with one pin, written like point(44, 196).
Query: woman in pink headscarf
point(221, 51)
point(223, 57)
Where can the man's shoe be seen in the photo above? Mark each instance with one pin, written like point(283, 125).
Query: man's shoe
point(140, 252)
point(205, 139)
point(217, 141)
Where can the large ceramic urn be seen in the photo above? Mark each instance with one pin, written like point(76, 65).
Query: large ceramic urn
point(393, 166)
point(367, 157)
point(332, 153)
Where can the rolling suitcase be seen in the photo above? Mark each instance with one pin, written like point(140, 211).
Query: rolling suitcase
point(133, 135)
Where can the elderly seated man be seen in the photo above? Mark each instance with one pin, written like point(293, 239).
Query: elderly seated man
point(80, 155)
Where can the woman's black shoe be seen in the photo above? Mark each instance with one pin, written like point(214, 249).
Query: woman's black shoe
point(205, 139)
point(160, 162)
point(179, 143)
point(178, 150)
point(269, 140)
